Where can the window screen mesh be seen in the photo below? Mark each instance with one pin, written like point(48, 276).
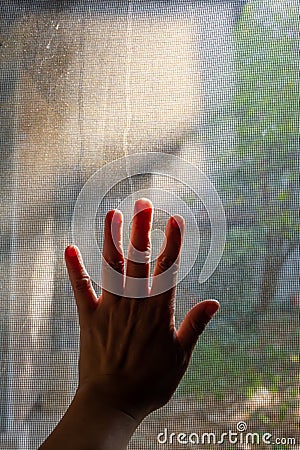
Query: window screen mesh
point(211, 83)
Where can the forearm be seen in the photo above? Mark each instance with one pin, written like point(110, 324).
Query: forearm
point(89, 424)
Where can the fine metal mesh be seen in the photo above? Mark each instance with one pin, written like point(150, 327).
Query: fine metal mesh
point(212, 82)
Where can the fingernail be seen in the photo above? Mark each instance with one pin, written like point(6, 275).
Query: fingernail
point(143, 204)
point(117, 217)
point(211, 308)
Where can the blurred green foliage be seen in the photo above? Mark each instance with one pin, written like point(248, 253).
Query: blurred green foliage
point(257, 180)
point(257, 177)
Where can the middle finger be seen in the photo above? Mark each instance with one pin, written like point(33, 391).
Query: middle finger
point(139, 250)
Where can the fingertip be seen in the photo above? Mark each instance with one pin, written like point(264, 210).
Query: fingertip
point(177, 222)
point(177, 228)
point(113, 213)
point(109, 215)
point(81, 283)
point(117, 217)
point(73, 258)
point(71, 251)
point(211, 307)
point(143, 203)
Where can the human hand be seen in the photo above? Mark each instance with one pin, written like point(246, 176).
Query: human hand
point(131, 356)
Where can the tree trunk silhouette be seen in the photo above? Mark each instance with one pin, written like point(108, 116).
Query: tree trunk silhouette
point(276, 255)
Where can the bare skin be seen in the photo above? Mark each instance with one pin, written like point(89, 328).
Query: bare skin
point(132, 358)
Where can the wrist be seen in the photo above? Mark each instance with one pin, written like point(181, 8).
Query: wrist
point(97, 404)
point(108, 425)
point(92, 423)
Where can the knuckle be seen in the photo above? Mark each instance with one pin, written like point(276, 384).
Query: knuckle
point(164, 263)
point(117, 265)
point(83, 284)
point(139, 256)
point(198, 326)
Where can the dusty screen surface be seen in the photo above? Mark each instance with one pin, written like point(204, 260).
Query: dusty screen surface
point(209, 87)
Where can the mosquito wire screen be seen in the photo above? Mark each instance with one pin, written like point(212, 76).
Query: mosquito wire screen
point(193, 105)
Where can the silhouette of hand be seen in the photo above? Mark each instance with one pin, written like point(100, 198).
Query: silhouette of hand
point(131, 355)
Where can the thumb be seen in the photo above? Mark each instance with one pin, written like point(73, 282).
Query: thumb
point(195, 322)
